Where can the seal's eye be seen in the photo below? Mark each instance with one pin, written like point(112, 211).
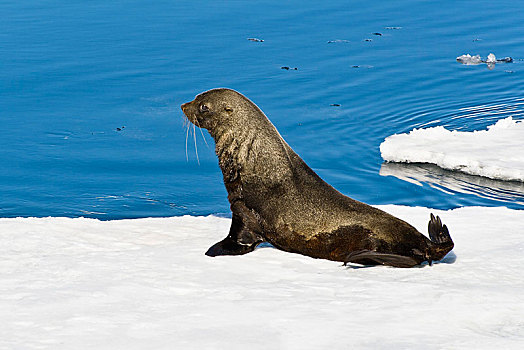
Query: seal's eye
point(204, 108)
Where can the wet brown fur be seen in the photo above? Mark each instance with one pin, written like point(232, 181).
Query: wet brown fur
point(276, 197)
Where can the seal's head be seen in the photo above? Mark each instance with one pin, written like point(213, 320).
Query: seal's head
point(245, 140)
point(220, 110)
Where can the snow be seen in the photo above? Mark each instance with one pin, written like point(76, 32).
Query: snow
point(146, 284)
point(495, 153)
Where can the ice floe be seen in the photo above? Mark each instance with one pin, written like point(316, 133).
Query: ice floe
point(497, 152)
point(146, 284)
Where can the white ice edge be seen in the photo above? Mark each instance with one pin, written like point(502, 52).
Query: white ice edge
point(497, 152)
point(146, 284)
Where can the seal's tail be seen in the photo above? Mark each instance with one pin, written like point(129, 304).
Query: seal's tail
point(439, 235)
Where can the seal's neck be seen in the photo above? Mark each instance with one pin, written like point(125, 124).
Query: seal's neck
point(234, 151)
point(254, 150)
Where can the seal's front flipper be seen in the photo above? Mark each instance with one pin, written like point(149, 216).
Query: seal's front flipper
point(240, 240)
point(369, 257)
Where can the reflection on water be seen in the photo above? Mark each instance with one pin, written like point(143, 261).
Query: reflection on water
point(479, 117)
point(452, 182)
point(475, 117)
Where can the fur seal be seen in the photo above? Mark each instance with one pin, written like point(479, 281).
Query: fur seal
point(275, 197)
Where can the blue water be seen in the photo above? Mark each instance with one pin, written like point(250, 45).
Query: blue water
point(90, 95)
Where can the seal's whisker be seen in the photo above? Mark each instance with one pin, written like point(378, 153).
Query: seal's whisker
point(185, 121)
point(196, 148)
point(201, 133)
point(187, 135)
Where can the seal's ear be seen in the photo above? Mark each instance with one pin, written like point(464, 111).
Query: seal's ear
point(228, 109)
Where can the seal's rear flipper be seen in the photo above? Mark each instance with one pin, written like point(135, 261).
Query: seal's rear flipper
point(439, 234)
point(369, 257)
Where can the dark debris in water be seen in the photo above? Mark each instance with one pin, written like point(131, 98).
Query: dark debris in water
point(256, 40)
point(338, 41)
point(120, 129)
point(368, 39)
point(289, 68)
point(335, 105)
point(377, 33)
point(393, 28)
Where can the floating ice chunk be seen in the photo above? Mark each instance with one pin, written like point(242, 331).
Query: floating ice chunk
point(491, 59)
point(497, 152)
point(468, 59)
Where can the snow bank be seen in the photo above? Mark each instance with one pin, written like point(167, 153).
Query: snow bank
point(146, 284)
point(497, 152)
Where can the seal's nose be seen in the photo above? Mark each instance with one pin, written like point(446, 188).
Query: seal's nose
point(185, 106)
